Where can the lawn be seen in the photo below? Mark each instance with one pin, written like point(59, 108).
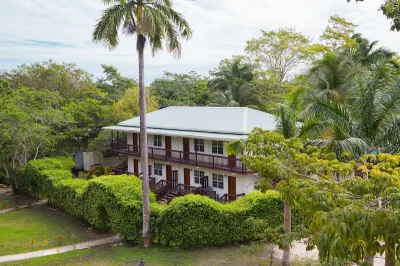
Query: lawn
point(157, 256)
point(40, 228)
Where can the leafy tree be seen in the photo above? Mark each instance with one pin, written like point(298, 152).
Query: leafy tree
point(391, 10)
point(277, 53)
point(230, 83)
point(71, 82)
point(152, 22)
point(114, 84)
point(338, 33)
point(280, 161)
point(354, 218)
point(128, 106)
point(88, 118)
point(28, 127)
point(181, 89)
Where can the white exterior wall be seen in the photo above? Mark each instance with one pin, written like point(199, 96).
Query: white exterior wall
point(129, 138)
point(244, 183)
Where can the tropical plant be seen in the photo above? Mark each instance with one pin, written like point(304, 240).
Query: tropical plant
point(231, 83)
point(279, 161)
point(152, 21)
point(181, 89)
point(367, 121)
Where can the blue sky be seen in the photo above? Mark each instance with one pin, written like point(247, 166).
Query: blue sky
point(38, 30)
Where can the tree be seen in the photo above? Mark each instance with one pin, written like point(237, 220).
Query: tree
point(28, 127)
point(181, 89)
point(231, 83)
point(351, 217)
point(277, 53)
point(87, 119)
point(71, 82)
point(279, 161)
point(152, 22)
point(363, 119)
point(391, 10)
point(128, 106)
point(338, 33)
point(114, 84)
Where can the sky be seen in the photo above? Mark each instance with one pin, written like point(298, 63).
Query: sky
point(39, 30)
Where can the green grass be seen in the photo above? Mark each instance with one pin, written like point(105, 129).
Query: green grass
point(39, 228)
point(12, 200)
point(156, 256)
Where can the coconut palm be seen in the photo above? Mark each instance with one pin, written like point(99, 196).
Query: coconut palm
point(152, 22)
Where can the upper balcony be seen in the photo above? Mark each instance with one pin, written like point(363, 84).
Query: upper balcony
point(229, 164)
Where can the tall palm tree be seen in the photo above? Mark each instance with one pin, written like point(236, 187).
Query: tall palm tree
point(152, 22)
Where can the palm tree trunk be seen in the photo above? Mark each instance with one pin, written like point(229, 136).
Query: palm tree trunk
point(143, 145)
point(287, 222)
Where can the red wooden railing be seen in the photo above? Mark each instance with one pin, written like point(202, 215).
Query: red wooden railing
point(230, 197)
point(192, 158)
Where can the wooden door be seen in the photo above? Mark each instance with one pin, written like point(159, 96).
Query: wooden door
point(168, 146)
point(136, 167)
point(186, 176)
point(186, 148)
point(231, 186)
point(232, 161)
point(150, 173)
point(135, 142)
point(169, 172)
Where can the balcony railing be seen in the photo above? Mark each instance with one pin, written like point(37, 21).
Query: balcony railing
point(218, 162)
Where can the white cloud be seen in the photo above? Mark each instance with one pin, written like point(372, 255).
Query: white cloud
point(221, 29)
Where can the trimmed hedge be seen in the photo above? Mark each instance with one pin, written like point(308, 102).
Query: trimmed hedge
point(114, 203)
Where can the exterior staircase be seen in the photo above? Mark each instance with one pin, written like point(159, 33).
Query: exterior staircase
point(121, 169)
point(181, 190)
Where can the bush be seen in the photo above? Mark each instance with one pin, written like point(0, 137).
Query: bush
point(31, 174)
point(197, 221)
point(115, 203)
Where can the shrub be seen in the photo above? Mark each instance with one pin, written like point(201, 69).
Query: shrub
point(107, 193)
point(69, 196)
point(67, 161)
point(115, 203)
point(32, 172)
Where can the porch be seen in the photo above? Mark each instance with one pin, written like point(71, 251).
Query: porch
point(229, 164)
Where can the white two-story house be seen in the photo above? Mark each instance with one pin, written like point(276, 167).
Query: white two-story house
point(186, 145)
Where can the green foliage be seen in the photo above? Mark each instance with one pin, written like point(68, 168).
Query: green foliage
point(180, 89)
point(114, 84)
point(196, 221)
point(128, 106)
point(115, 203)
point(391, 10)
point(231, 83)
point(31, 175)
point(67, 161)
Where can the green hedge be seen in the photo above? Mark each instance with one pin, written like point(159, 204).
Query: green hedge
point(114, 203)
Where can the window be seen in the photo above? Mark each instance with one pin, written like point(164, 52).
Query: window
point(199, 145)
point(158, 169)
point(157, 140)
point(217, 147)
point(197, 176)
point(218, 181)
